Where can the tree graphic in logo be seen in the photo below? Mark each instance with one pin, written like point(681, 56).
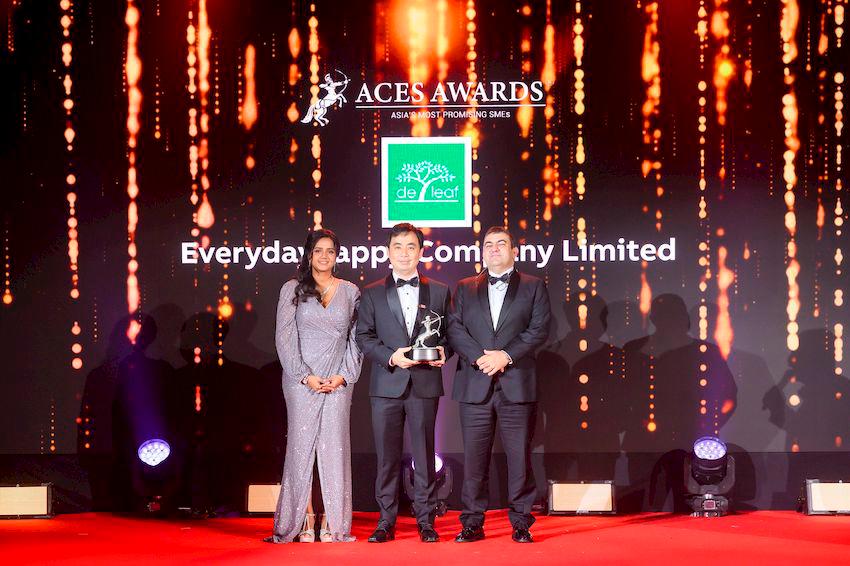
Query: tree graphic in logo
point(426, 181)
point(426, 174)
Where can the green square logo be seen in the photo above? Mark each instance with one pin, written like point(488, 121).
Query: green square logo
point(426, 181)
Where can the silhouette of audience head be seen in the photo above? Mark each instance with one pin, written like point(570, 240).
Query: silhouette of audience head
point(243, 322)
point(669, 315)
point(595, 314)
point(118, 344)
point(201, 336)
point(814, 359)
point(147, 331)
point(168, 318)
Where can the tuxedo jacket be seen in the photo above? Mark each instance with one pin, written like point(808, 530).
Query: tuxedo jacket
point(381, 331)
point(523, 326)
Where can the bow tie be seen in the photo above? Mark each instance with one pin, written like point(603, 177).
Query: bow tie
point(413, 282)
point(503, 278)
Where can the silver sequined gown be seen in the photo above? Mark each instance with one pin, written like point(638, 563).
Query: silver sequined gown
point(317, 340)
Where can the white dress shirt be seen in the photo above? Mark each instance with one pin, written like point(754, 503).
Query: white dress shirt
point(496, 294)
point(408, 296)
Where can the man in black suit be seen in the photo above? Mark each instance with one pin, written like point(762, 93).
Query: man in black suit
point(497, 321)
point(389, 319)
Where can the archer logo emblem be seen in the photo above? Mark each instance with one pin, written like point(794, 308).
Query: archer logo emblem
point(427, 181)
point(318, 110)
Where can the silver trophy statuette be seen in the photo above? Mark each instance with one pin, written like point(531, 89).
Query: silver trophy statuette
point(430, 327)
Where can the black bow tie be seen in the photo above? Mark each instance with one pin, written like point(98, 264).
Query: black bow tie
point(413, 282)
point(503, 278)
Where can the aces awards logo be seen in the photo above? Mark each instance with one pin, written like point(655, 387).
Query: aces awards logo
point(449, 99)
point(331, 97)
point(426, 181)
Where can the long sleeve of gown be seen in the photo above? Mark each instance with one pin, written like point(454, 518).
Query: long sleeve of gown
point(286, 336)
point(353, 358)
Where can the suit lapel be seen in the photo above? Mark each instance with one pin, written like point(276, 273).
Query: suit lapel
point(513, 286)
point(424, 301)
point(394, 303)
point(484, 297)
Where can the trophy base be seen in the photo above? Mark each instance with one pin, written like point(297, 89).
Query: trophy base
point(425, 354)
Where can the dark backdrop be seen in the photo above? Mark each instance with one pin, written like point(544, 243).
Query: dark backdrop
point(761, 396)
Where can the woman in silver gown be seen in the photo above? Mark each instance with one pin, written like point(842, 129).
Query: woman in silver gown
point(316, 317)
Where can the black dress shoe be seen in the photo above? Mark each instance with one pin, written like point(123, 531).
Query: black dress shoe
point(383, 533)
point(427, 533)
point(470, 534)
point(522, 535)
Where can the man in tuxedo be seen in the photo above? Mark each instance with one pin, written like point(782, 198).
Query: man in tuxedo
point(497, 321)
point(389, 319)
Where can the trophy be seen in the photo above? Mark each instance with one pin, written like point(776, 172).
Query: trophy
point(430, 327)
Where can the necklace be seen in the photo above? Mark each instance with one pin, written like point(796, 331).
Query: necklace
point(328, 288)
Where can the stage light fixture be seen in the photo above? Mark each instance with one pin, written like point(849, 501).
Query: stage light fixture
point(825, 498)
point(582, 498)
point(26, 501)
point(444, 483)
point(262, 498)
point(709, 448)
point(709, 476)
point(438, 463)
point(154, 451)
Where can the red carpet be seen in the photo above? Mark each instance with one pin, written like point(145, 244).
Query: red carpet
point(766, 537)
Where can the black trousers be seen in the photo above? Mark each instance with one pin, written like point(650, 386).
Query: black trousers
point(516, 428)
point(389, 416)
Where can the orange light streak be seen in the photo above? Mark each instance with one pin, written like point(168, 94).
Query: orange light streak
point(578, 104)
point(471, 128)
point(525, 112)
point(838, 212)
point(704, 258)
point(724, 68)
point(645, 295)
point(418, 69)
point(205, 215)
point(316, 143)
point(133, 71)
point(723, 333)
point(442, 48)
point(790, 114)
point(8, 298)
point(66, 21)
point(294, 41)
point(248, 111)
point(547, 75)
point(192, 74)
point(313, 46)
point(651, 74)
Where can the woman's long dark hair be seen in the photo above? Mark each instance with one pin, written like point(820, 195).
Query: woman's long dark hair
point(306, 287)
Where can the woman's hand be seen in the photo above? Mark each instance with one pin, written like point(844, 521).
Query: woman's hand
point(332, 383)
point(315, 383)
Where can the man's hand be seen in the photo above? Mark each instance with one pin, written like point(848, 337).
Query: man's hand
point(400, 360)
point(315, 382)
point(331, 384)
point(439, 363)
point(492, 362)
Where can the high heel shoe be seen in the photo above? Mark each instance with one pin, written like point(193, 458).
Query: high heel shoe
point(324, 532)
point(308, 531)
